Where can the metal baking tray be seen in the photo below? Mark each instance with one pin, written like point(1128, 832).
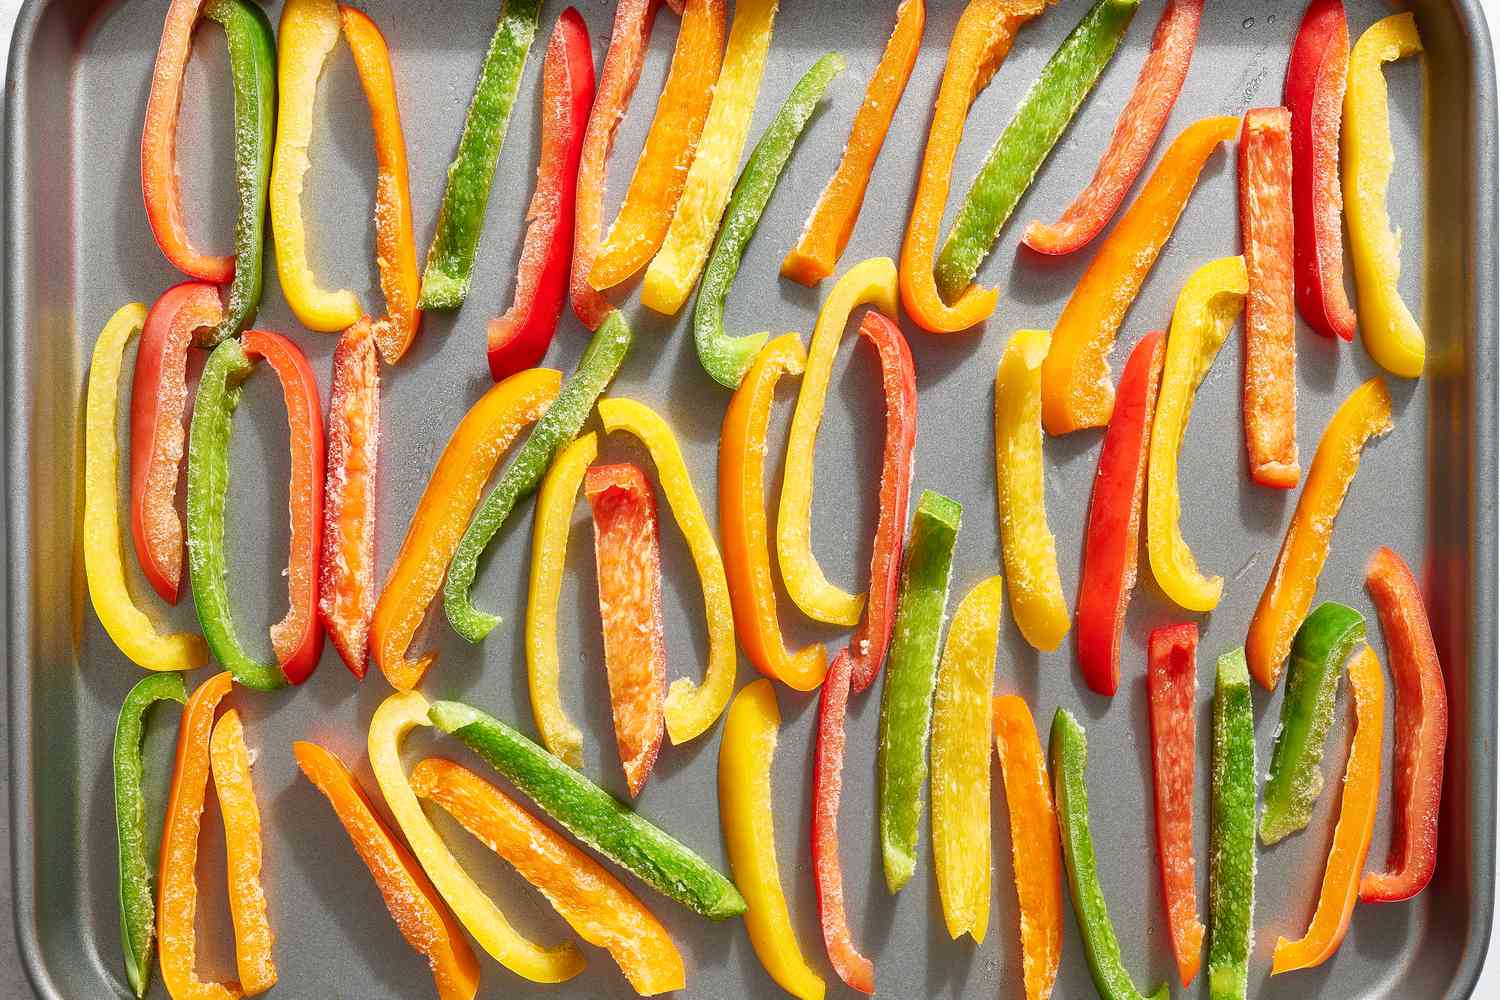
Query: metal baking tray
point(77, 246)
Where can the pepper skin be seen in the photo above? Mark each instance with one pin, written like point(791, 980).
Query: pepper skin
point(1172, 681)
point(253, 938)
point(1231, 851)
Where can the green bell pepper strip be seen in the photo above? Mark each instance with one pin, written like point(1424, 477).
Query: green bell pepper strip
point(137, 898)
point(906, 699)
point(1068, 751)
point(727, 358)
point(1323, 643)
point(593, 815)
point(1012, 163)
point(1231, 849)
point(450, 262)
point(558, 426)
point(252, 67)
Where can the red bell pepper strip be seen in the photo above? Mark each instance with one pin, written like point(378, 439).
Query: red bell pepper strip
point(1111, 540)
point(520, 337)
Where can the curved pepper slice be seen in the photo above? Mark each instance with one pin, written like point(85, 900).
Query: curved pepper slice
point(724, 357)
point(1356, 825)
point(253, 938)
point(1205, 310)
point(1231, 853)
point(413, 903)
point(103, 552)
point(831, 223)
point(961, 761)
point(396, 717)
point(1364, 415)
point(1076, 390)
point(1172, 680)
point(872, 281)
point(747, 817)
point(1030, 551)
point(1136, 131)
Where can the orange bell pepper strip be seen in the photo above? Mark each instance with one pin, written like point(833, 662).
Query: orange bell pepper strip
point(253, 939)
point(831, 223)
point(1289, 592)
point(1356, 825)
point(413, 903)
point(451, 495)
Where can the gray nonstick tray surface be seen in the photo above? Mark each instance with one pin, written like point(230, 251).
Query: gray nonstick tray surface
point(77, 246)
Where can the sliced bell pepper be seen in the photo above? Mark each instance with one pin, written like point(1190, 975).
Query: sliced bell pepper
point(1356, 825)
point(961, 761)
point(1011, 165)
point(413, 903)
point(1076, 389)
point(1366, 414)
point(1269, 399)
point(229, 759)
point(1030, 551)
point(831, 223)
point(872, 281)
point(726, 358)
point(1172, 680)
point(906, 698)
point(747, 817)
point(1206, 309)
point(1231, 853)
point(593, 815)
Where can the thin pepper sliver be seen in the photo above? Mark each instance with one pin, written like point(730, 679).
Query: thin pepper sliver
point(1231, 850)
point(1172, 684)
point(253, 939)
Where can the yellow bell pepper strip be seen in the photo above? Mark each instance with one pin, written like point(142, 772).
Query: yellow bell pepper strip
point(742, 521)
point(1390, 332)
point(831, 223)
point(1035, 848)
point(413, 903)
point(1231, 850)
point(128, 626)
point(1172, 686)
point(1289, 592)
point(1206, 308)
point(397, 716)
point(674, 270)
point(1076, 387)
point(661, 172)
point(593, 902)
point(961, 761)
point(1030, 551)
point(746, 815)
point(229, 759)
point(871, 281)
point(1356, 825)
point(691, 708)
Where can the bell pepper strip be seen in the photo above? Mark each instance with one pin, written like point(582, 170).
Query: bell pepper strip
point(1136, 131)
point(831, 223)
point(691, 708)
point(870, 281)
point(906, 698)
point(450, 259)
point(591, 814)
point(1012, 163)
point(1314, 93)
point(748, 820)
point(1112, 538)
point(137, 908)
point(229, 760)
point(705, 193)
point(1026, 542)
point(1206, 308)
point(593, 902)
point(128, 626)
point(961, 761)
point(742, 521)
point(1366, 414)
point(1076, 389)
point(1231, 852)
point(1389, 331)
point(392, 721)
point(1269, 400)
point(726, 358)
point(1172, 682)
point(559, 424)
point(1325, 640)
point(1356, 825)
point(413, 903)
point(1068, 752)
